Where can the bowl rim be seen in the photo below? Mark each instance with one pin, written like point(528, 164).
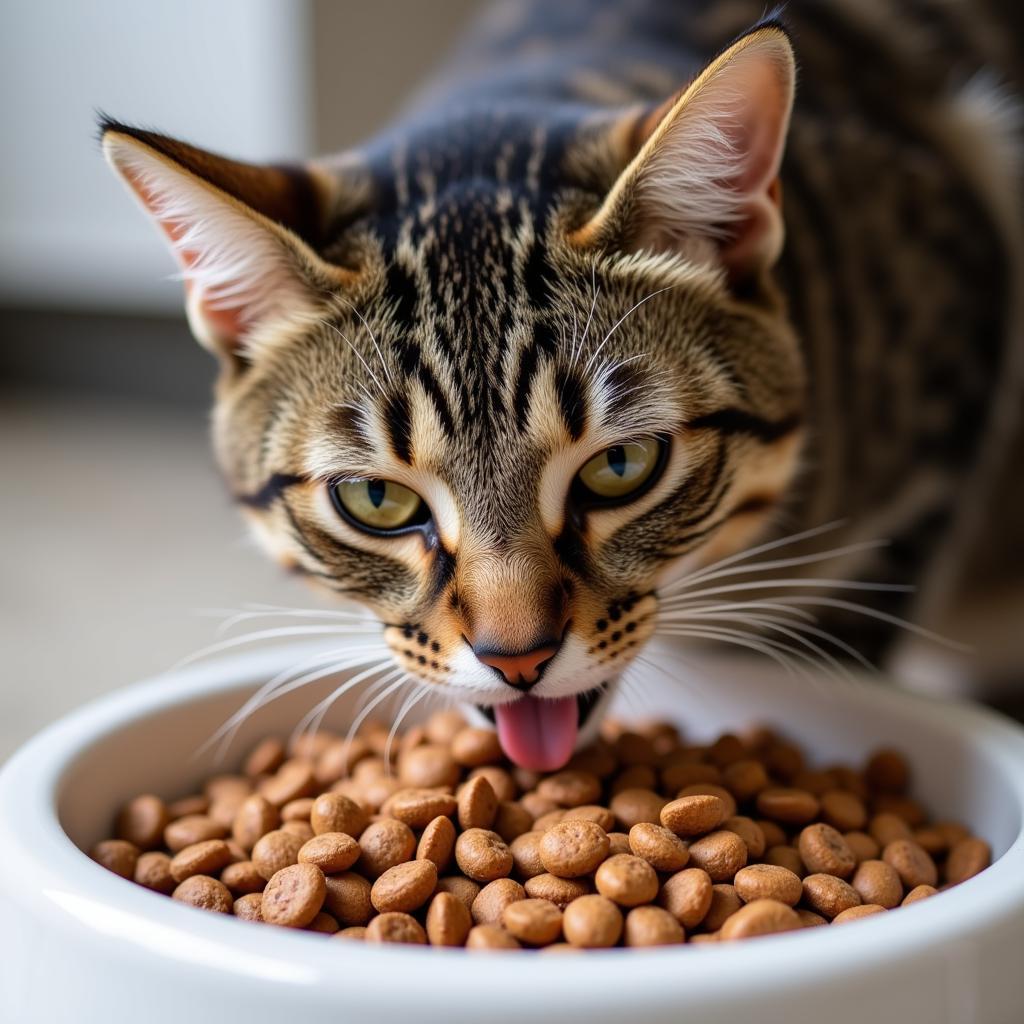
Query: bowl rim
point(57, 881)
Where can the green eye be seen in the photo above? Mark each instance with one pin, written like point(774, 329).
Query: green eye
point(621, 470)
point(377, 504)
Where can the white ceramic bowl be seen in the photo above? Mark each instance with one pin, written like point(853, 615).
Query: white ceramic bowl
point(79, 944)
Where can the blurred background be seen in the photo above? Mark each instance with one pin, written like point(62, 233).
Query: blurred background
point(119, 542)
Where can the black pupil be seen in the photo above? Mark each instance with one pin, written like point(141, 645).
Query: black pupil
point(617, 459)
point(376, 489)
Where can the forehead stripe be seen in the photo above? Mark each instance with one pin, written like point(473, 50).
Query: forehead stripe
point(737, 421)
point(272, 489)
point(572, 402)
point(398, 418)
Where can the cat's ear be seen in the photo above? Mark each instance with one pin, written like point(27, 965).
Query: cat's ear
point(703, 177)
point(243, 236)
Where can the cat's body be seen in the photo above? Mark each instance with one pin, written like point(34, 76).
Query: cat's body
point(547, 276)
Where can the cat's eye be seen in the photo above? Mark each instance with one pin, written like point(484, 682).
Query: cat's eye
point(621, 471)
point(378, 505)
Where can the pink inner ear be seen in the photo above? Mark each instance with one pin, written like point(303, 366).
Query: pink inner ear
point(760, 135)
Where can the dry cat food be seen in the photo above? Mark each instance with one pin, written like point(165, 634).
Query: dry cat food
point(642, 840)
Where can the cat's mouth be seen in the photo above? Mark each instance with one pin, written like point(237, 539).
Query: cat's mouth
point(540, 733)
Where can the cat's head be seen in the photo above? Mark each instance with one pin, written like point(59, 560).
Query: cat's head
point(500, 378)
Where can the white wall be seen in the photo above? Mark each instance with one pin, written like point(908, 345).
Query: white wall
point(229, 75)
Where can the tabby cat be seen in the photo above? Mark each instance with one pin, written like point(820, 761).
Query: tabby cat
point(515, 373)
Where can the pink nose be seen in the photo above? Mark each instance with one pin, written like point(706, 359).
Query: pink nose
point(520, 670)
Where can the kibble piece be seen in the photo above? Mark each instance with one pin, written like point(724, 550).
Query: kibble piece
point(724, 903)
point(396, 927)
point(512, 820)
point(275, 850)
point(354, 932)
point(633, 748)
point(302, 829)
point(442, 726)
point(651, 926)
point(626, 880)
point(674, 776)
point(142, 821)
point(828, 895)
point(448, 920)
point(255, 817)
point(153, 870)
point(525, 850)
point(490, 936)
point(721, 854)
point(335, 812)
point(878, 882)
point(384, 844)
point(571, 788)
point(662, 849)
point(482, 855)
point(745, 779)
point(966, 858)
point(418, 807)
point(711, 789)
point(294, 896)
point(545, 821)
point(533, 922)
point(348, 898)
point(912, 864)
point(919, 892)
point(266, 757)
point(561, 891)
point(474, 747)
point(192, 828)
point(592, 812)
point(843, 811)
point(293, 779)
point(504, 786)
point(205, 893)
point(774, 834)
point(426, 766)
point(117, 855)
point(809, 919)
point(687, 896)
point(323, 924)
point(593, 922)
point(856, 913)
point(493, 898)
point(789, 806)
point(206, 858)
point(196, 803)
point(242, 878)
point(573, 848)
point(750, 832)
point(932, 840)
point(331, 852)
point(618, 842)
point(863, 846)
point(887, 771)
point(761, 917)
point(537, 805)
point(693, 815)
point(465, 890)
point(405, 887)
point(768, 881)
point(248, 907)
point(886, 828)
point(477, 804)
point(640, 776)
point(783, 760)
point(824, 850)
point(437, 842)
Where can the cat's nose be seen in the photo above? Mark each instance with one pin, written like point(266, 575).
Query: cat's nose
point(520, 670)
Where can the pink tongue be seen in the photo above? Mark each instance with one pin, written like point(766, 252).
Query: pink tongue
point(538, 734)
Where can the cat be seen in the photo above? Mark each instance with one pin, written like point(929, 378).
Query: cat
point(530, 373)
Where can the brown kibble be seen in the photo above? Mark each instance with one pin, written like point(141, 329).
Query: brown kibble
point(293, 779)
point(248, 907)
point(545, 821)
point(750, 832)
point(298, 810)
point(618, 842)
point(809, 919)
point(783, 760)
point(710, 789)
point(843, 811)
point(652, 926)
point(856, 913)
point(593, 922)
point(573, 848)
point(878, 882)
point(396, 927)
point(632, 748)
point(687, 896)
point(504, 786)
point(418, 807)
point(919, 892)
point(886, 828)
point(533, 922)
point(356, 933)
point(536, 804)
point(153, 871)
point(640, 776)
point(477, 804)
point(255, 817)
point(490, 936)
point(912, 864)
point(323, 924)
point(242, 878)
point(512, 820)
point(911, 811)
point(745, 779)
point(680, 774)
point(966, 858)
point(427, 766)
point(302, 829)
point(720, 854)
point(196, 803)
point(193, 828)
point(331, 852)
point(561, 891)
point(774, 834)
point(437, 843)
point(768, 881)
point(205, 893)
point(266, 757)
point(626, 880)
point(274, 851)
point(348, 898)
point(525, 850)
point(465, 890)
point(335, 812)
point(448, 920)
point(828, 895)
point(863, 846)
point(592, 812)
point(571, 788)
point(931, 839)
point(117, 855)
point(384, 844)
point(294, 896)
point(693, 815)
point(761, 917)
point(482, 855)
point(405, 887)
point(474, 747)
point(789, 806)
point(443, 726)
point(887, 771)
point(724, 903)
point(662, 849)
point(825, 851)
point(205, 858)
point(786, 857)
point(142, 821)
point(493, 898)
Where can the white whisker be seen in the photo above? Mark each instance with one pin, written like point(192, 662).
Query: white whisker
point(359, 356)
point(410, 702)
point(618, 323)
point(379, 699)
